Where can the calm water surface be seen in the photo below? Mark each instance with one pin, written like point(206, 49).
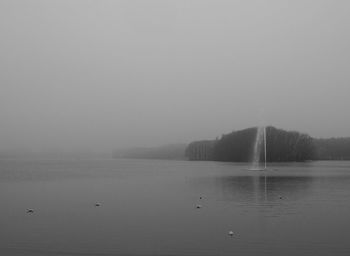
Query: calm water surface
point(148, 207)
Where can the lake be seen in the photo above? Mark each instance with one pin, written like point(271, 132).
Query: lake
point(149, 207)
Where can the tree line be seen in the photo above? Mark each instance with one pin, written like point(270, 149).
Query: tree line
point(237, 146)
point(332, 149)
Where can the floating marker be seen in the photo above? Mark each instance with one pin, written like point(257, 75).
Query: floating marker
point(97, 204)
point(30, 210)
point(198, 206)
point(230, 233)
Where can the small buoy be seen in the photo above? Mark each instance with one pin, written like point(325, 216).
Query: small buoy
point(230, 233)
point(280, 197)
point(30, 210)
point(97, 204)
point(198, 206)
point(200, 197)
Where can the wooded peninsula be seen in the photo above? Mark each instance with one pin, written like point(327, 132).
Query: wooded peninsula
point(237, 146)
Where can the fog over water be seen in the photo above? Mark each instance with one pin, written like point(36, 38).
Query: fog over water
point(99, 75)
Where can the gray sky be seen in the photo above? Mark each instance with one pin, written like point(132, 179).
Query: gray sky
point(108, 74)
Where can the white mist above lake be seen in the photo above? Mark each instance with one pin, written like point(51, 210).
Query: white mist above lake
point(148, 207)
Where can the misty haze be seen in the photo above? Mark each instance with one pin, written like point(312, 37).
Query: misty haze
point(153, 127)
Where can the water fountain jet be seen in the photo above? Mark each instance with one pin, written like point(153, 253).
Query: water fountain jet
point(259, 144)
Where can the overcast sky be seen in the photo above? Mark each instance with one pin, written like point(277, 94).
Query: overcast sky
point(108, 74)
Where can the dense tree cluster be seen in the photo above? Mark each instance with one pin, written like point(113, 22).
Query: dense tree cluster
point(238, 146)
point(332, 149)
point(288, 146)
point(200, 150)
